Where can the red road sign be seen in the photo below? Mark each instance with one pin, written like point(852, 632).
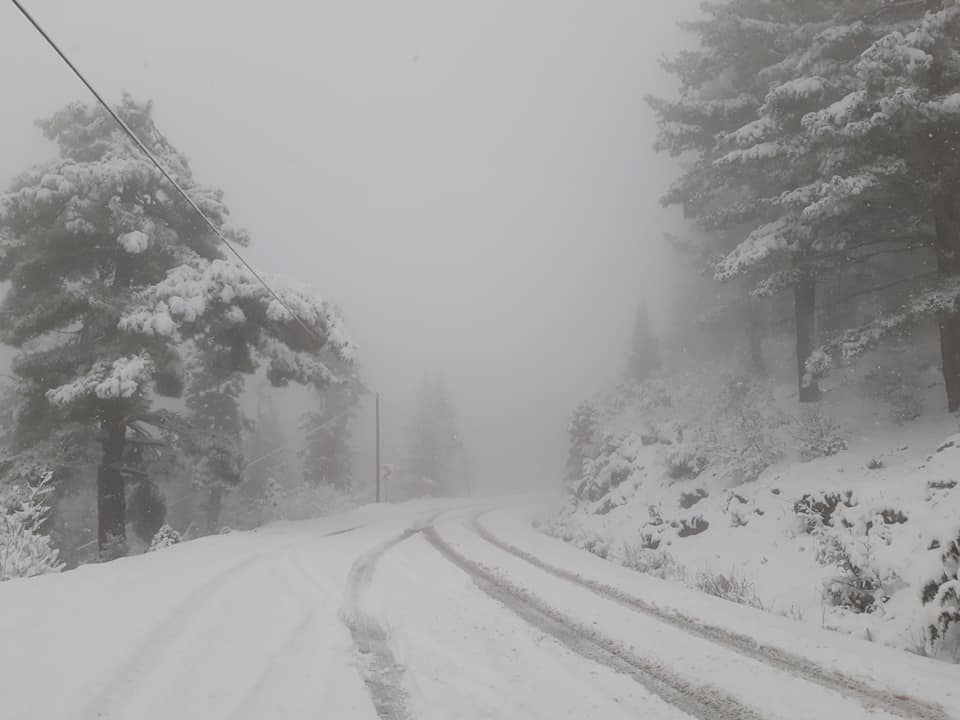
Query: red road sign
point(387, 471)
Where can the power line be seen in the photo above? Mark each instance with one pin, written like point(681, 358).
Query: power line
point(146, 151)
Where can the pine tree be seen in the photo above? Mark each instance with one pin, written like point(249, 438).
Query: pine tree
point(213, 401)
point(327, 453)
point(583, 441)
point(436, 443)
point(644, 358)
point(760, 177)
point(114, 275)
point(896, 133)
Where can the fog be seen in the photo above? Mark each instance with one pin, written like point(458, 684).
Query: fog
point(473, 183)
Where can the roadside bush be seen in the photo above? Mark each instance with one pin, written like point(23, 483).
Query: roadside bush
point(728, 587)
point(942, 596)
point(658, 563)
point(165, 537)
point(25, 549)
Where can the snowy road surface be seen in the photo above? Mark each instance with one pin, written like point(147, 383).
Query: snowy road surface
point(425, 611)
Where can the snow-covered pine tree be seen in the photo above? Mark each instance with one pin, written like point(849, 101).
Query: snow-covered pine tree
point(327, 453)
point(758, 173)
point(583, 441)
point(114, 275)
point(894, 130)
point(213, 402)
point(644, 357)
point(436, 443)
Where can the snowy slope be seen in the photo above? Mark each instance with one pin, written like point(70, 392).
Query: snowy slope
point(899, 505)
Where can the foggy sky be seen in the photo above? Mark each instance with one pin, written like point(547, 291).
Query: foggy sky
point(472, 182)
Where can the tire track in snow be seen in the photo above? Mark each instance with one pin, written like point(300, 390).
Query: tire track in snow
point(869, 696)
point(699, 701)
point(152, 648)
point(382, 673)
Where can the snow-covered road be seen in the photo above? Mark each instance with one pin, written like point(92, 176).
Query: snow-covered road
point(425, 611)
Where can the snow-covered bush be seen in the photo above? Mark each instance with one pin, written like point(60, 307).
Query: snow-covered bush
point(818, 435)
point(816, 510)
point(743, 431)
point(659, 563)
point(686, 462)
point(728, 587)
point(942, 596)
point(862, 582)
point(165, 537)
point(25, 550)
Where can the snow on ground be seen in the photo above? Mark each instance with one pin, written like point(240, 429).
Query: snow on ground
point(245, 625)
point(707, 668)
point(900, 504)
point(882, 667)
point(469, 658)
point(415, 612)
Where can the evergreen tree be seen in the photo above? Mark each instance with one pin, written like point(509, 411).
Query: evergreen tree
point(327, 452)
point(644, 358)
point(436, 443)
point(114, 275)
point(894, 128)
point(784, 212)
point(213, 401)
point(583, 441)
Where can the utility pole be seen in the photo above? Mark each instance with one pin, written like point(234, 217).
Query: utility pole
point(378, 447)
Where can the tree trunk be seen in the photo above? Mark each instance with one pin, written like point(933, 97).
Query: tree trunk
point(805, 313)
point(214, 507)
point(111, 490)
point(946, 208)
point(756, 329)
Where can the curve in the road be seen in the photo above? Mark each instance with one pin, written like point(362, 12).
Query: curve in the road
point(871, 697)
point(702, 702)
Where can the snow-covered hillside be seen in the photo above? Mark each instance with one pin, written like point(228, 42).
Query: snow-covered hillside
point(839, 517)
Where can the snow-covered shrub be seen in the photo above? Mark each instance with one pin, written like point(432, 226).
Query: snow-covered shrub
point(942, 596)
point(818, 435)
point(686, 462)
point(817, 510)
point(659, 563)
point(165, 537)
point(692, 526)
point(25, 550)
point(851, 547)
point(611, 468)
point(688, 500)
point(736, 506)
point(896, 388)
point(728, 587)
point(595, 544)
point(743, 433)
